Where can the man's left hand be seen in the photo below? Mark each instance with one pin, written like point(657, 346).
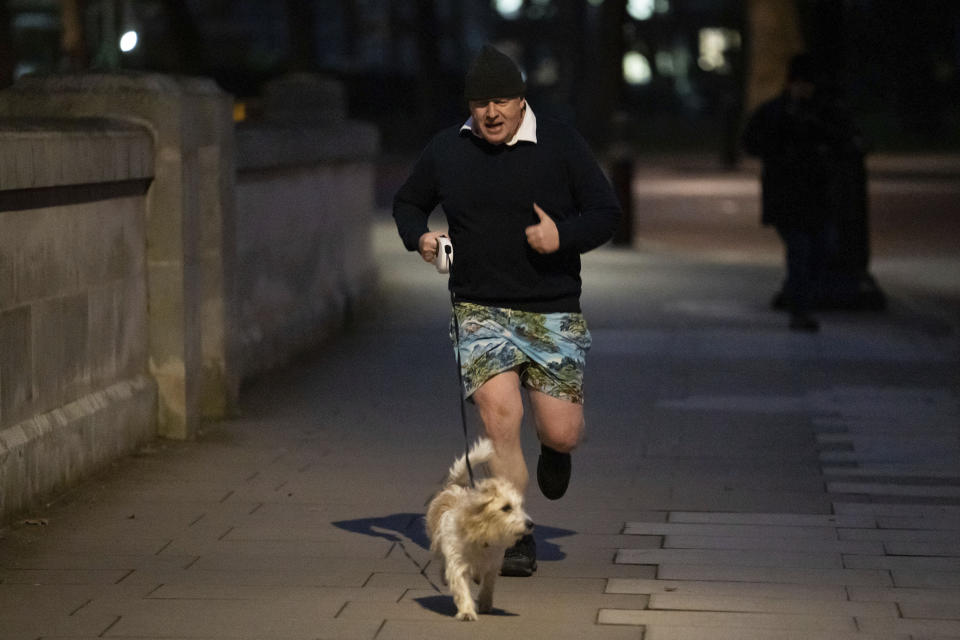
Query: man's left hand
point(543, 237)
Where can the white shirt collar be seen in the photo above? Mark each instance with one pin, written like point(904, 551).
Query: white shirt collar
point(526, 132)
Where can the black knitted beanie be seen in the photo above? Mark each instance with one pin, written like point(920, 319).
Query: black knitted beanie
point(493, 75)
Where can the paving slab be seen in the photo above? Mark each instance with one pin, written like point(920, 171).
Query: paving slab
point(917, 533)
point(871, 577)
point(915, 627)
point(945, 521)
point(567, 608)
point(777, 519)
point(890, 489)
point(930, 610)
point(925, 511)
point(950, 549)
point(682, 602)
point(273, 592)
point(902, 563)
point(714, 620)
point(926, 579)
point(698, 633)
point(25, 623)
point(902, 595)
point(342, 577)
point(724, 557)
point(894, 470)
point(729, 530)
point(500, 628)
point(718, 588)
point(61, 577)
point(774, 544)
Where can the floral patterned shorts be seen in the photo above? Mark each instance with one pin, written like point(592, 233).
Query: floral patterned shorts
point(548, 350)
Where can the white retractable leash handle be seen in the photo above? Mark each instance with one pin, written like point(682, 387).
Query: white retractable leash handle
point(444, 258)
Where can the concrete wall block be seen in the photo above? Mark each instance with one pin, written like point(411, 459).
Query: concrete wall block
point(24, 163)
point(123, 239)
point(51, 451)
point(44, 253)
point(53, 161)
point(16, 373)
point(7, 164)
point(132, 152)
point(131, 341)
point(103, 325)
point(61, 360)
point(303, 238)
point(39, 169)
point(75, 366)
point(9, 244)
point(95, 223)
point(117, 331)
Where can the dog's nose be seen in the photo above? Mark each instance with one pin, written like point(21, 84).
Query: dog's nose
point(529, 524)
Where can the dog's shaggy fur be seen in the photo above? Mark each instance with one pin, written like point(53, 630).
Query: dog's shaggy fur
point(470, 528)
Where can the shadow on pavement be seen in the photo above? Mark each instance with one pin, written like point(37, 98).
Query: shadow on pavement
point(444, 606)
point(407, 526)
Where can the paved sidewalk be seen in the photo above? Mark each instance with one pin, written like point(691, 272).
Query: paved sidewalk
point(738, 482)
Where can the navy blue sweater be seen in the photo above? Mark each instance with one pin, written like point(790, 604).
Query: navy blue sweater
point(487, 194)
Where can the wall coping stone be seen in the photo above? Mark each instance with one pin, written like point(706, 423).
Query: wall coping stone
point(52, 152)
point(114, 82)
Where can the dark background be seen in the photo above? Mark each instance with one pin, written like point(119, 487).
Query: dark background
point(894, 62)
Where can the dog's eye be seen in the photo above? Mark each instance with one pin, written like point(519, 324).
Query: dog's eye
point(507, 508)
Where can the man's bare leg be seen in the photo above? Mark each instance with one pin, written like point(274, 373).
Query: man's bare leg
point(500, 406)
point(559, 422)
point(559, 426)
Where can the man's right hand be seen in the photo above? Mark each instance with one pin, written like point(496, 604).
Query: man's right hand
point(428, 245)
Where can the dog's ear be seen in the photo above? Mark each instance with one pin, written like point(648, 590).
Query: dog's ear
point(486, 493)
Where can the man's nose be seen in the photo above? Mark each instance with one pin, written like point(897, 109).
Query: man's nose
point(490, 111)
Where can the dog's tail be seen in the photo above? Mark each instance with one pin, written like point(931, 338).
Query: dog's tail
point(481, 452)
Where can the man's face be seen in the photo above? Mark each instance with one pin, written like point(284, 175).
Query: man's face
point(497, 119)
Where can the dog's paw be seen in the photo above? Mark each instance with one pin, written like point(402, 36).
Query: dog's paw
point(484, 607)
point(467, 616)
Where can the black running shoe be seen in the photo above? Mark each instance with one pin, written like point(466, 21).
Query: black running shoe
point(520, 560)
point(553, 472)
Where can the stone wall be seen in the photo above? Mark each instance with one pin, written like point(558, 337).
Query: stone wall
point(74, 386)
point(189, 213)
point(305, 199)
point(152, 256)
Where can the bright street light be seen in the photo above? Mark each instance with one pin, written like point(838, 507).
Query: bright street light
point(128, 41)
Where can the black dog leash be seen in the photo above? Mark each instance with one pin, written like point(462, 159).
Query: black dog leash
point(463, 408)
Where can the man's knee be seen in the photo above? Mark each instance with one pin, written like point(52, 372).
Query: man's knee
point(563, 433)
point(563, 442)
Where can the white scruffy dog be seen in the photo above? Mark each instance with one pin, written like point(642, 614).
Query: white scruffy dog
point(470, 528)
